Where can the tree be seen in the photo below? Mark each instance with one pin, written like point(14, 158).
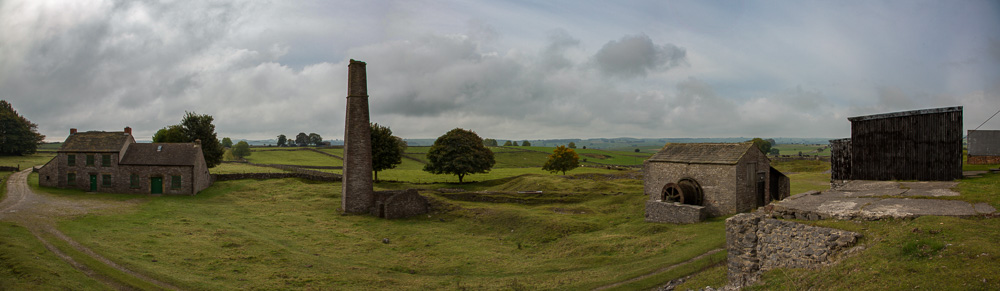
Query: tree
point(459, 152)
point(775, 152)
point(173, 133)
point(200, 127)
point(490, 142)
point(515, 144)
point(228, 155)
point(301, 139)
point(227, 143)
point(562, 159)
point(387, 150)
point(571, 145)
point(281, 140)
point(18, 136)
point(315, 139)
point(507, 144)
point(762, 145)
point(525, 144)
point(637, 150)
point(242, 149)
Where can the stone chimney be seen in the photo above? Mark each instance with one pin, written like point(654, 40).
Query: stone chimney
point(357, 195)
point(128, 130)
point(197, 142)
point(72, 131)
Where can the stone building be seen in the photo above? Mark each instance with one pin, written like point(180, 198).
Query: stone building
point(687, 183)
point(984, 147)
point(113, 162)
point(923, 145)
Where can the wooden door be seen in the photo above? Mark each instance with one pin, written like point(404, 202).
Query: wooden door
point(156, 185)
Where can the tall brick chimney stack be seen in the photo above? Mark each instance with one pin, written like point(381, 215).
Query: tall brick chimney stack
point(128, 130)
point(358, 195)
point(72, 131)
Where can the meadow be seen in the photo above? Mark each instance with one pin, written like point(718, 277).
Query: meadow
point(585, 230)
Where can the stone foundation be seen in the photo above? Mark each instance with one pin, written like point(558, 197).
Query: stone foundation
point(756, 244)
point(983, 160)
point(672, 212)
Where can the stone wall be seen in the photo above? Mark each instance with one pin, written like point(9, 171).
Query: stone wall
point(983, 160)
point(673, 212)
point(399, 204)
point(756, 243)
point(718, 183)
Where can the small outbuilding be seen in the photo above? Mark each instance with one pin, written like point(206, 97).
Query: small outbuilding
point(984, 147)
point(687, 183)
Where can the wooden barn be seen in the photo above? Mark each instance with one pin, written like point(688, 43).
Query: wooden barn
point(924, 145)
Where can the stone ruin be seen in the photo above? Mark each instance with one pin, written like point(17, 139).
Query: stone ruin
point(358, 195)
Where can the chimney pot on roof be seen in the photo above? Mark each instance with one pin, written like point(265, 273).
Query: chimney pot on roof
point(128, 130)
point(72, 131)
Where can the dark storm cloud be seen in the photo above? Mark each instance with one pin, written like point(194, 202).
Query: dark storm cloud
point(636, 56)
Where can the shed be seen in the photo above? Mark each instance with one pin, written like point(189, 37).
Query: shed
point(924, 145)
point(689, 182)
point(984, 147)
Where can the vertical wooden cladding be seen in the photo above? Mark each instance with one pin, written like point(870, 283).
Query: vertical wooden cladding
point(840, 159)
point(923, 145)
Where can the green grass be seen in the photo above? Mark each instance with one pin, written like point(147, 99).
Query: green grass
point(807, 150)
point(25, 264)
point(299, 157)
point(37, 159)
point(240, 168)
point(286, 233)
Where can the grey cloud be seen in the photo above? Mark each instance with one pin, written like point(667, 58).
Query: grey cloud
point(636, 56)
point(553, 56)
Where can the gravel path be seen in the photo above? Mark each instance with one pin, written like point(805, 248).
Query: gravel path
point(39, 212)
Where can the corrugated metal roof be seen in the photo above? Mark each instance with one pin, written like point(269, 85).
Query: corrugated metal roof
point(96, 141)
point(702, 153)
point(906, 113)
point(162, 154)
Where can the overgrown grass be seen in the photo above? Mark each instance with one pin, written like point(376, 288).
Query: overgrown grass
point(807, 150)
point(286, 233)
point(25, 264)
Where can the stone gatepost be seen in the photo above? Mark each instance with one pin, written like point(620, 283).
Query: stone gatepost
point(357, 195)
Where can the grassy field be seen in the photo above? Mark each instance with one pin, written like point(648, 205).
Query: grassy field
point(240, 168)
point(807, 150)
point(299, 157)
point(37, 159)
point(585, 230)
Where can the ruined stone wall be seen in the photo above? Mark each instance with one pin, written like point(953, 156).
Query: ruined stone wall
point(756, 244)
point(983, 160)
point(399, 204)
point(672, 212)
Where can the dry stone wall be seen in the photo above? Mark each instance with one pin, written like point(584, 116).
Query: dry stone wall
point(756, 243)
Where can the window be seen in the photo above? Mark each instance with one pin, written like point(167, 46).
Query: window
point(71, 179)
point(106, 180)
point(105, 160)
point(133, 181)
point(90, 160)
point(71, 160)
point(175, 182)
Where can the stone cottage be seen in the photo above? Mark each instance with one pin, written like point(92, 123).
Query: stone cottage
point(687, 183)
point(113, 162)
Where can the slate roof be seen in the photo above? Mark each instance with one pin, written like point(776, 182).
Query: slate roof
point(906, 113)
point(96, 141)
point(702, 153)
point(162, 154)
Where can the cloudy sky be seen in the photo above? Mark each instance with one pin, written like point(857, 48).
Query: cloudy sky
point(505, 69)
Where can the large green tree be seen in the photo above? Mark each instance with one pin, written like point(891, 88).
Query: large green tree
point(281, 140)
point(571, 145)
point(562, 159)
point(315, 139)
point(301, 139)
point(507, 144)
point(173, 133)
point(200, 127)
point(490, 142)
point(227, 143)
point(242, 149)
point(387, 150)
point(459, 152)
point(525, 144)
point(18, 136)
point(763, 145)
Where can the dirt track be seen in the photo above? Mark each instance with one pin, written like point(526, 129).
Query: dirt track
point(39, 212)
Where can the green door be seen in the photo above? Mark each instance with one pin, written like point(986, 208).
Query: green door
point(93, 183)
point(156, 185)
